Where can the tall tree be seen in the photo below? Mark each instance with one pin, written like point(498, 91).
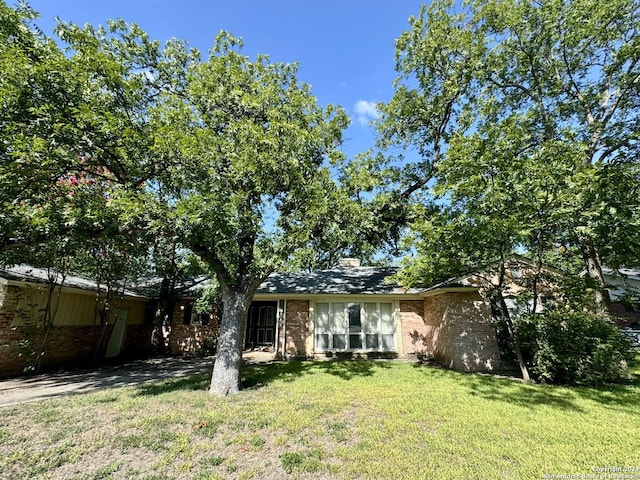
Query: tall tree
point(236, 152)
point(72, 136)
point(245, 148)
point(540, 96)
point(39, 92)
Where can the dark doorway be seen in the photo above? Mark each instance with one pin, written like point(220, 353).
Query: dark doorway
point(261, 325)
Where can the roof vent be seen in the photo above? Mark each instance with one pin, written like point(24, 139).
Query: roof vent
point(349, 262)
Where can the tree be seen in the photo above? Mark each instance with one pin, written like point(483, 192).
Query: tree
point(39, 91)
point(244, 147)
point(235, 153)
point(72, 137)
point(539, 98)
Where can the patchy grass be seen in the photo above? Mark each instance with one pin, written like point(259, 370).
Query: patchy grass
point(304, 420)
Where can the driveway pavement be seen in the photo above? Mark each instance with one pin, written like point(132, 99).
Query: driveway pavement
point(40, 387)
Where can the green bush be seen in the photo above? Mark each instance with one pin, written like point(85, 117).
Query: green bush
point(575, 347)
point(208, 346)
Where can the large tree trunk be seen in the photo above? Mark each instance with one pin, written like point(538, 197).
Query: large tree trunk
point(161, 313)
point(593, 266)
point(524, 371)
point(226, 369)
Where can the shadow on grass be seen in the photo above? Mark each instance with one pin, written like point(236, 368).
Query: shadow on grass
point(619, 397)
point(199, 381)
point(262, 374)
point(498, 389)
point(259, 375)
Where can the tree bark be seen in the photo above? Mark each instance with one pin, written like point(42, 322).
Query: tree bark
point(226, 369)
point(502, 307)
point(162, 310)
point(524, 371)
point(593, 266)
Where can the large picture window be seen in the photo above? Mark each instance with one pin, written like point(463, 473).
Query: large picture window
point(354, 326)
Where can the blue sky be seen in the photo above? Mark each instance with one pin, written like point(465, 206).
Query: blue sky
point(345, 47)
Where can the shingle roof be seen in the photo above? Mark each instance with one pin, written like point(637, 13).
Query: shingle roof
point(27, 273)
point(187, 287)
point(338, 280)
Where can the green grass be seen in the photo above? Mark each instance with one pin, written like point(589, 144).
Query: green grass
point(358, 419)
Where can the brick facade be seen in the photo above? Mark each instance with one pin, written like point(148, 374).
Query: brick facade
point(453, 328)
point(459, 332)
point(413, 328)
point(298, 341)
point(189, 339)
point(67, 345)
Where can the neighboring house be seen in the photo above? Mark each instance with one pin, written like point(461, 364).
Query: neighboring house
point(624, 292)
point(79, 337)
point(354, 311)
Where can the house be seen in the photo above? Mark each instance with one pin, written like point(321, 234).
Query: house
point(83, 332)
point(347, 311)
point(77, 336)
point(624, 293)
point(355, 311)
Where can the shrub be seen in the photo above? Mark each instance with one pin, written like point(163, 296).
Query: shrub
point(575, 347)
point(208, 346)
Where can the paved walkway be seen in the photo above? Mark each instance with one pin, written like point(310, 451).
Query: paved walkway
point(40, 387)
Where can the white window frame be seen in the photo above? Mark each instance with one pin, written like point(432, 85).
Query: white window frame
point(379, 330)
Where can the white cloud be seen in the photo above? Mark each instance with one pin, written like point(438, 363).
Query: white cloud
point(365, 112)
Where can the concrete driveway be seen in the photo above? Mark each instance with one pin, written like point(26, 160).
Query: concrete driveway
point(40, 387)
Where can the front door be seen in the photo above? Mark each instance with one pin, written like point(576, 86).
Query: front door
point(261, 325)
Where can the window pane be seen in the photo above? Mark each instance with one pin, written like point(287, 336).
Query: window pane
point(372, 341)
point(388, 342)
point(322, 317)
point(322, 341)
point(354, 318)
point(188, 312)
point(267, 316)
point(337, 317)
point(339, 342)
point(355, 341)
point(371, 318)
point(386, 318)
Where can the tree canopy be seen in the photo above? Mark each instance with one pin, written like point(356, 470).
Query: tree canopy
point(525, 119)
point(515, 123)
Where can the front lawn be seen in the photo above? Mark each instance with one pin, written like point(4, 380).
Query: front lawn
point(365, 420)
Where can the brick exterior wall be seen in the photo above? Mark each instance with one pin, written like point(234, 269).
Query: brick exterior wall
point(297, 329)
point(9, 363)
point(189, 339)
point(436, 338)
point(453, 328)
point(413, 329)
point(460, 332)
point(67, 345)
